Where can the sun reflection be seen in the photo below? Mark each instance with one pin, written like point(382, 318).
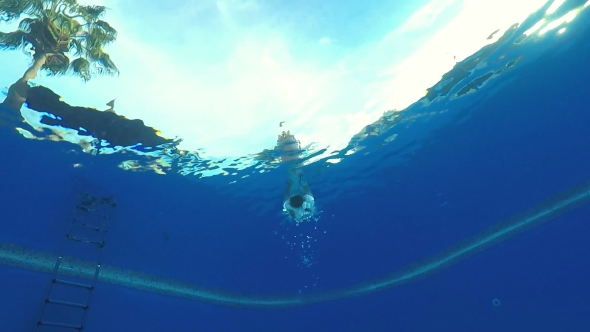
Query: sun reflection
point(99, 139)
point(567, 18)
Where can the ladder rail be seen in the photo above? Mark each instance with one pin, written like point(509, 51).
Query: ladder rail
point(102, 221)
point(94, 280)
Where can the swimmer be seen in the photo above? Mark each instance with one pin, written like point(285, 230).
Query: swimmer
point(298, 200)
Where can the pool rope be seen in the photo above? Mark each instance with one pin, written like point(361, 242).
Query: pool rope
point(30, 259)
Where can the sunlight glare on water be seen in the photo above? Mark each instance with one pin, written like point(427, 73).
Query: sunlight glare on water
point(214, 103)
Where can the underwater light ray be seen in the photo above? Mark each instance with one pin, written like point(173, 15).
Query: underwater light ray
point(560, 204)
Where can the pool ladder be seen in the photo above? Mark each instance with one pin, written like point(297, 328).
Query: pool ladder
point(69, 293)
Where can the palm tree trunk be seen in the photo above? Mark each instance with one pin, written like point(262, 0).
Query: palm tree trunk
point(17, 93)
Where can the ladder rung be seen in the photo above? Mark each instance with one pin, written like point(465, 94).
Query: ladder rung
point(94, 228)
point(71, 283)
point(69, 326)
point(100, 244)
point(69, 304)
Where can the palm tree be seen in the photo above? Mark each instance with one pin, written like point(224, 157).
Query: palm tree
point(53, 30)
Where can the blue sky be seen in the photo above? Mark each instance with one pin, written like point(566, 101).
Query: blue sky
point(223, 74)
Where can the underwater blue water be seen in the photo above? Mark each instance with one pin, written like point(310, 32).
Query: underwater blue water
point(517, 141)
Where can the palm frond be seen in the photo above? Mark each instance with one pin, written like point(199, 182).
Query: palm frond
point(64, 24)
point(56, 64)
point(25, 24)
point(34, 7)
point(108, 64)
point(77, 47)
point(92, 41)
point(12, 9)
point(12, 40)
point(107, 28)
point(98, 37)
point(103, 60)
point(69, 4)
point(81, 67)
point(91, 13)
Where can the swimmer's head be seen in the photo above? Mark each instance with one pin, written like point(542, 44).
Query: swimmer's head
point(300, 207)
point(296, 201)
